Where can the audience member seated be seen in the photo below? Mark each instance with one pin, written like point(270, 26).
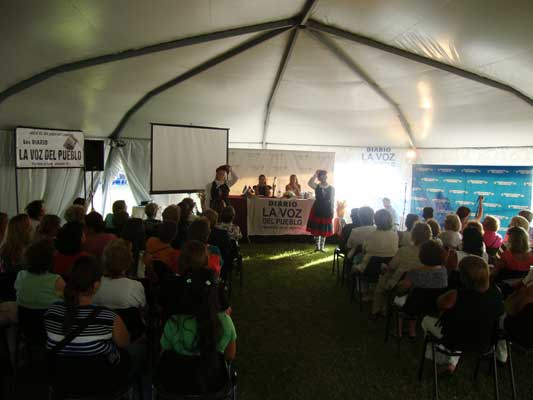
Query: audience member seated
point(359, 234)
point(151, 222)
point(339, 222)
point(405, 259)
point(383, 242)
point(472, 244)
point(193, 255)
point(516, 260)
point(96, 239)
point(427, 213)
point(159, 247)
point(431, 275)
point(435, 228)
point(476, 225)
point(405, 236)
point(527, 214)
point(190, 206)
point(469, 315)
point(48, 228)
point(451, 237)
point(120, 219)
point(117, 291)
point(95, 351)
point(4, 219)
point(519, 320)
point(16, 240)
point(37, 287)
point(199, 230)
point(69, 244)
point(183, 225)
point(492, 239)
point(226, 223)
point(35, 211)
point(75, 214)
point(219, 237)
point(133, 231)
point(197, 342)
point(464, 213)
point(80, 201)
point(347, 230)
point(118, 206)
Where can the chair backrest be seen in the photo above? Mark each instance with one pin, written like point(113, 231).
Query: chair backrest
point(180, 377)
point(161, 269)
point(31, 324)
point(373, 268)
point(519, 327)
point(422, 301)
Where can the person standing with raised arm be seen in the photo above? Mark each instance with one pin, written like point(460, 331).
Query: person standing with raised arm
point(217, 192)
point(321, 216)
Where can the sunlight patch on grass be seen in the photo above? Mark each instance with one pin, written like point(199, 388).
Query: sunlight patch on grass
point(316, 262)
point(290, 253)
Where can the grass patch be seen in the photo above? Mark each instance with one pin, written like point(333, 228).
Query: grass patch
point(300, 338)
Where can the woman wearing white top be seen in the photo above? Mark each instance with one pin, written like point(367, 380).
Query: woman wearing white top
point(116, 290)
point(383, 242)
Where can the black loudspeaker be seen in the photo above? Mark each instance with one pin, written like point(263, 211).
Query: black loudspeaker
point(94, 155)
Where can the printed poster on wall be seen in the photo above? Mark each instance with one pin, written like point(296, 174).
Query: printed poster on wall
point(278, 216)
point(506, 190)
point(49, 148)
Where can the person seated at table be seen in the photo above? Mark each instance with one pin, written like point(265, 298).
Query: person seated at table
point(451, 237)
point(293, 186)
point(516, 260)
point(262, 188)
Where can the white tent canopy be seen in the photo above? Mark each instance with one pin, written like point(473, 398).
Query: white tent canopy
point(348, 69)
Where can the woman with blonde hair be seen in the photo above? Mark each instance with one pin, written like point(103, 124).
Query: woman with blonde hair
point(293, 186)
point(491, 238)
point(17, 238)
point(451, 237)
point(516, 260)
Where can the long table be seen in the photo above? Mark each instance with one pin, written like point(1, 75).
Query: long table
point(266, 216)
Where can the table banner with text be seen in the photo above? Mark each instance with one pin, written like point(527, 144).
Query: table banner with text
point(273, 216)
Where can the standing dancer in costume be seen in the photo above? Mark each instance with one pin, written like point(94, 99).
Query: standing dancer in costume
point(321, 216)
point(217, 192)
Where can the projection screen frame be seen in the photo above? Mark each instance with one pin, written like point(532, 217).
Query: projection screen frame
point(152, 154)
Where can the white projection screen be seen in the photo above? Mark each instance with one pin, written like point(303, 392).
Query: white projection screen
point(184, 157)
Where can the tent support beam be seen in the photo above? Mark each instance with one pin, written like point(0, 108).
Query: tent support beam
point(341, 55)
point(279, 75)
point(193, 72)
point(302, 19)
point(317, 26)
point(131, 53)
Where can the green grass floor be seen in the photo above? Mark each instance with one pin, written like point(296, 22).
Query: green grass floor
point(300, 338)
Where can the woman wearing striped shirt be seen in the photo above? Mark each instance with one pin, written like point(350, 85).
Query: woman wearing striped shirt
point(97, 347)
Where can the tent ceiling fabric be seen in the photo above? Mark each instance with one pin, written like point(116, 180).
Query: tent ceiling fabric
point(319, 99)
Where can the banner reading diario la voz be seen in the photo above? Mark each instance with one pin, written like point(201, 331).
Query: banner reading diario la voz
point(49, 148)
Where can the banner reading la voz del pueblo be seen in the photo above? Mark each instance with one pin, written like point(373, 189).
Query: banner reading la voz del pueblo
point(49, 148)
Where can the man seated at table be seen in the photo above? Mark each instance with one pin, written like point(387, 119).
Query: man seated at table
point(262, 189)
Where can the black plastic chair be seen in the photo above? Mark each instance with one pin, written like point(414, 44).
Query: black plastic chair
point(368, 277)
point(133, 320)
point(335, 267)
point(437, 346)
point(190, 369)
point(31, 335)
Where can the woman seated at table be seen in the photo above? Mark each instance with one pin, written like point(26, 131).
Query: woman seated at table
point(262, 189)
point(294, 186)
